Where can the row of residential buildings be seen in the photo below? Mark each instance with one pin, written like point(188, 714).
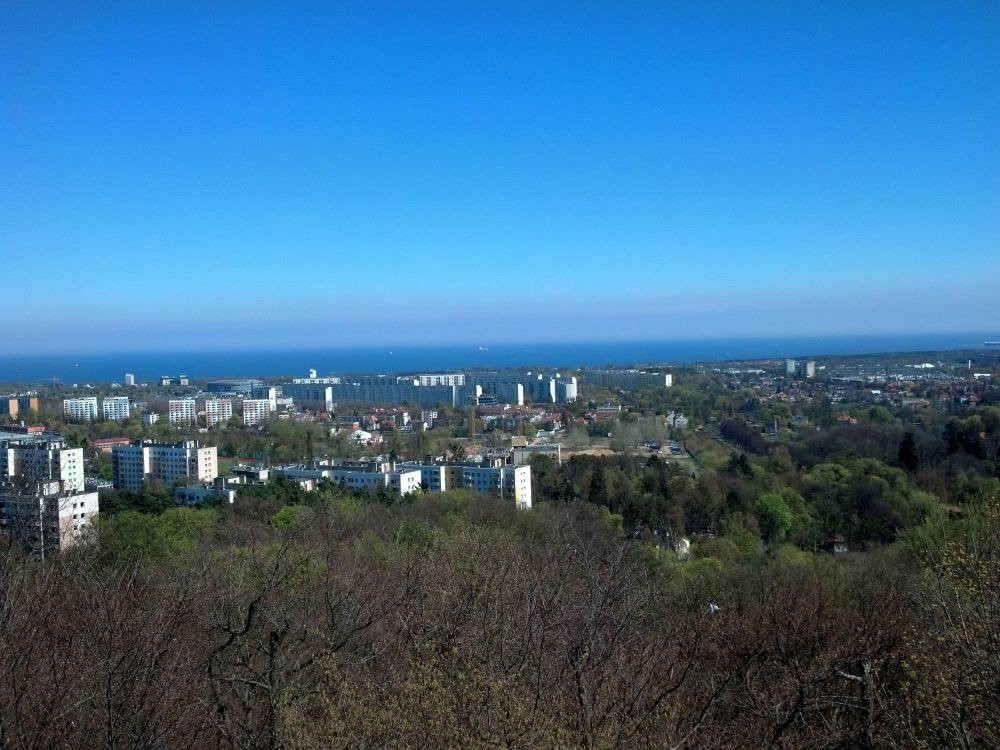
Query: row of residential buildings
point(511, 483)
point(323, 394)
point(628, 380)
point(190, 463)
point(180, 411)
point(17, 406)
point(426, 390)
point(85, 409)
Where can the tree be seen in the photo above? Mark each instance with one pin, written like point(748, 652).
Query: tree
point(598, 493)
point(909, 455)
point(774, 516)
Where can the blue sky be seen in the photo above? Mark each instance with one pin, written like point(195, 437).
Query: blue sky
point(238, 174)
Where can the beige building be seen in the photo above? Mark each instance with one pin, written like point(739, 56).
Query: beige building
point(18, 407)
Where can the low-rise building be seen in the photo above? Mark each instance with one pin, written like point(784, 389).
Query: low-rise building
point(364, 476)
point(106, 445)
point(523, 454)
point(202, 493)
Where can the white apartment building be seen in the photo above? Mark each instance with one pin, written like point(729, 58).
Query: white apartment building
point(628, 380)
point(40, 458)
point(454, 378)
point(129, 378)
point(150, 417)
point(48, 518)
point(115, 408)
point(511, 483)
point(218, 411)
point(182, 411)
point(403, 481)
point(268, 392)
point(198, 495)
point(80, 409)
point(168, 462)
point(256, 410)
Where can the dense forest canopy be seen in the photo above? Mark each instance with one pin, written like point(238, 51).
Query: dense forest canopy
point(451, 621)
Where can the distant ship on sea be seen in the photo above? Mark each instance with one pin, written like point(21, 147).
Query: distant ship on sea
point(991, 343)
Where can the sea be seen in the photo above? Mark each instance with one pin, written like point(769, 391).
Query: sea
point(149, 366)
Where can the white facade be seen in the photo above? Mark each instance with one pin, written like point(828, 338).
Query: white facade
point(218, 411)
point(80, 409)
point(198, 495)
point(42, 459)
point(268, 392)
point(403, 481)
point(168, 462)
point(456, 378)
point(566, 390)
point(677, 420)
point(182, 411)
point(116, 408)
point(256, 410)
point(629, 380)
point(48, 520)
point(512, 483)
point(129, 378)
point(150, 418)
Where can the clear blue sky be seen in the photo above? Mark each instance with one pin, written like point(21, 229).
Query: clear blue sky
point(240, 174)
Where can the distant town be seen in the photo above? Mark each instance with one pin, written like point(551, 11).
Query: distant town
point(206, 441)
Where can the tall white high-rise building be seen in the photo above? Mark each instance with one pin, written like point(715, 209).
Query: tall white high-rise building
point(168, 462)
point(80, 409)
point(256, 410)
point(218, 411)
point(115, 408)
point(43, 505)
point(182, 411)
point(129, 378)
point(35, 458)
